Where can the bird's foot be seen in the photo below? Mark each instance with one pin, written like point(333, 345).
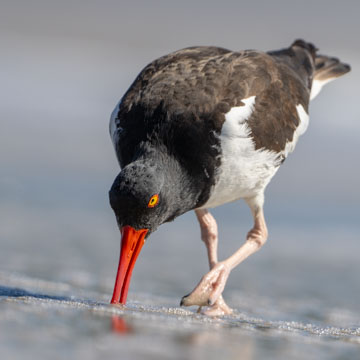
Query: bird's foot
point(218, 309)
point(210, 287)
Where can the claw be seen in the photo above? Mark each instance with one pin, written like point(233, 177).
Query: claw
point(183, 300)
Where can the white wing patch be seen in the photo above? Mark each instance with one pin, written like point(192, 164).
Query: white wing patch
point(240, 114)
point(244, 171)
point(303, 125)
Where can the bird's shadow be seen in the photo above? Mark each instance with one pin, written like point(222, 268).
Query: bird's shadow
point(15, 292)
point(118, 324)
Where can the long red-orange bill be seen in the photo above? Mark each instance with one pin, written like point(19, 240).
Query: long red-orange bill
point(131, 243)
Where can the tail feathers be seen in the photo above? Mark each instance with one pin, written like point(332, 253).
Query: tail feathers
point(322, 70)
point(329, 68)
point(311, 48)
point(326, 69)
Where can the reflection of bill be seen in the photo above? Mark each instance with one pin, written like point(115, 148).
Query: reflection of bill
point(119, 325)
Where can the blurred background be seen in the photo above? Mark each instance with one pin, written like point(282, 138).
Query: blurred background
point(63, 67)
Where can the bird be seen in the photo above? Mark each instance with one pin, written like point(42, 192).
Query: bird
point(202, 127)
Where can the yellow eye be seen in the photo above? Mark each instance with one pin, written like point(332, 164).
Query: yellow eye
point(153, 201)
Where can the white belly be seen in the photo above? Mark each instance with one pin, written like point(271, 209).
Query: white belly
point(245, 172)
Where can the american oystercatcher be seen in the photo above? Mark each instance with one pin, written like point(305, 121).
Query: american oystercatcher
point(201, 127)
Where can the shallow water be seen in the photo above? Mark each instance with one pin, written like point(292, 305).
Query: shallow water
point(297, 298)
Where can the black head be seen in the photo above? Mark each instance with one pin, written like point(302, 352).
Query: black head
point(138, 197)
point(147, 192)
point(143, 196)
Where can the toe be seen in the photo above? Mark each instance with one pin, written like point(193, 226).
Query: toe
point(214, 311)
point(195, 298)
point(209, 289)
point(218, 309)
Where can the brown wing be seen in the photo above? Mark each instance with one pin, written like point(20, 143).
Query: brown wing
point(202, 84)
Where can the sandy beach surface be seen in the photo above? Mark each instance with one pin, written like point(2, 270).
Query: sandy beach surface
point(286, 304)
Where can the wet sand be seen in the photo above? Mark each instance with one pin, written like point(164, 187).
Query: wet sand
point(284, 313)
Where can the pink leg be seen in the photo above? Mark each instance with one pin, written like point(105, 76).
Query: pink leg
point(209, 290)
point(209, 235)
